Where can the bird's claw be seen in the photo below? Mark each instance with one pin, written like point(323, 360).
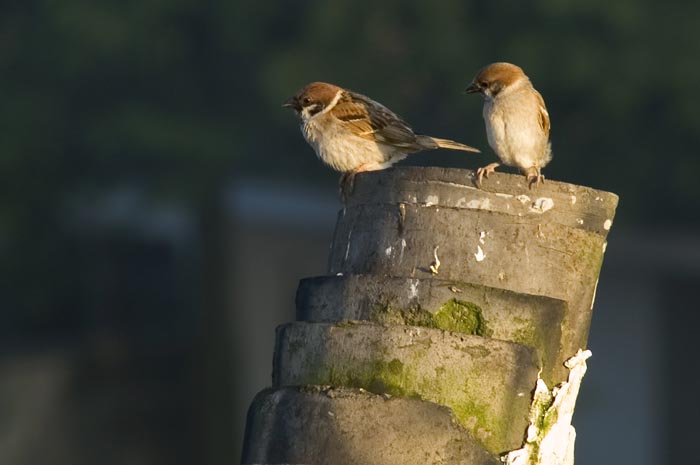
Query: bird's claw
point(533, 177)
point(484, 172)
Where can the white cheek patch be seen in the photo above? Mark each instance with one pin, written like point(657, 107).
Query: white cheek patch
point(328, 108)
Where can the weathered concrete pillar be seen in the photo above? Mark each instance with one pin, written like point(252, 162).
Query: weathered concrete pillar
point(456, 296)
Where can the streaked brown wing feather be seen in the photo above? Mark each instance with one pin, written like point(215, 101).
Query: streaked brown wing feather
point(373, 121)
point(542, 114)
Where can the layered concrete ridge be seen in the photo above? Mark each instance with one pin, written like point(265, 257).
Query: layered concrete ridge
point(436, 303)
point(442, 304)
point(413, 222)
point(341, 426)
point(552, 202)
point(486, 382)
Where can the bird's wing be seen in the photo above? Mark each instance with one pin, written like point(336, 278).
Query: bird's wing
point(371, 120)
point(542, 114)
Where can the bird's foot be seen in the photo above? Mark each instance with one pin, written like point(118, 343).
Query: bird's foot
point(484, 172)
point(533, 177)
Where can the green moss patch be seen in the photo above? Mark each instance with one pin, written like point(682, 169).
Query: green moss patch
point(454, 315)
point(462, 317)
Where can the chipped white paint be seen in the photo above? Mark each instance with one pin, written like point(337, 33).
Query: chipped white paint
point(540, 233)
point(607, 224)
point(522, 198)
point(502, 195)
point(479, 204)
point(413, 331)
point(579, 220)
point(605, 246)
point(403, 247)
point(479, 255)
point(347, 248)
point(388, 251)
point(552, 443)
point(595, 290)
point(339, 274)
point(431, 200)
point(541, 205)
point(413, 289)
point(461, 203)
point(573, 199)
point(501, 275)
point(435, 266)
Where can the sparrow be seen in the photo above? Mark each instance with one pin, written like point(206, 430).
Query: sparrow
point(517, 122)
point(352, 133)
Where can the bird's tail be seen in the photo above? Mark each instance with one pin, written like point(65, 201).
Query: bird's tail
point(434, 142)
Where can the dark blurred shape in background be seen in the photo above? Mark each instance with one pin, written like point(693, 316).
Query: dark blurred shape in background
point(158, 206)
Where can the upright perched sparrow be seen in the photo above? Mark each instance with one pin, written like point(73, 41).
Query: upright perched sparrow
point(352, 133)
point(517, 122)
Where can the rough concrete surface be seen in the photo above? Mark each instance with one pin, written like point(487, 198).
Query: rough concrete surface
point(464, 293)
point(551, 202)
point(437, 303)
point(486, 382)
point(339, 426)
point(508, 241)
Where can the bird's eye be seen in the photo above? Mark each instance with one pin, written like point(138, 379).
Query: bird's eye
point(306, 100)
point(484, 84)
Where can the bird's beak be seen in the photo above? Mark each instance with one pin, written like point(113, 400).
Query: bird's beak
point(473, 88)
point(291, 102)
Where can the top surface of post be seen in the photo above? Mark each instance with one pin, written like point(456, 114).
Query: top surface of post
point(556, 202)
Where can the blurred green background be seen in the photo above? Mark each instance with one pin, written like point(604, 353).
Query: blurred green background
point(130, 132)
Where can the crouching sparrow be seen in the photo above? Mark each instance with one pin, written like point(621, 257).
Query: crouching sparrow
point(352, 133)
point(517, 122)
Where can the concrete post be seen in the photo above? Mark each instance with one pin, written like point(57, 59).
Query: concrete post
point(443, 303)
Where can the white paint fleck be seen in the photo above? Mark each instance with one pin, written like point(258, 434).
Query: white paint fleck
point(573, 199)
point(403, 247)
point(540, 233)
point(541, 205)
point(501, 275)
point(480, 204)
point(482, 235)
point(339, 274)
point(505, 196)
point(479, 255)
point(605, 246)
point(347, 250)
point(607, 224)
point(552, 443)
point(523, 199)
point(413, 289)
point(595, 290)
point(435, 266)
point(461, 203)
point(579, 220)
point(431, 200)
point(388, 251)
